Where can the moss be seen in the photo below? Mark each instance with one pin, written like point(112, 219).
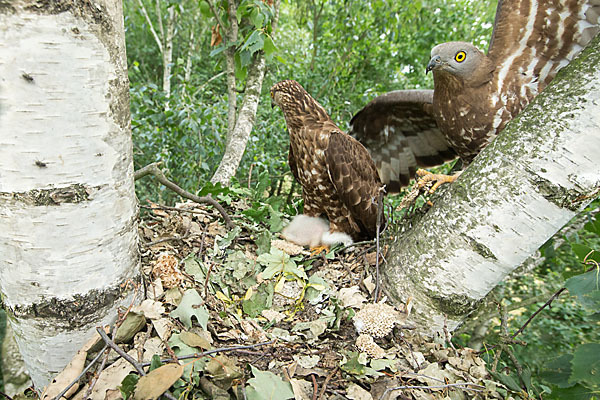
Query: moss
point(76, 193)
point(455, 305)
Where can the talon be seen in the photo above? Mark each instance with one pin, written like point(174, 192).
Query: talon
point(314, 251)
point(438, 179)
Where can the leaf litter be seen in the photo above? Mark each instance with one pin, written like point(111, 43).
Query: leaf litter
point(243, 314)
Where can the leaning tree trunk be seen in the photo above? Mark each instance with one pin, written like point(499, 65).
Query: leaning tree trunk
point(540, 172)
point(68, 234)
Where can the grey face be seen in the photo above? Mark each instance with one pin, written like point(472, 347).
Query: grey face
point(457, 58)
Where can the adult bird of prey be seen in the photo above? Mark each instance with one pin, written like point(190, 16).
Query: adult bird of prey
point(475, 94)
point(338, 177)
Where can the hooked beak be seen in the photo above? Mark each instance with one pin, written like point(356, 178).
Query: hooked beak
point(434, 62)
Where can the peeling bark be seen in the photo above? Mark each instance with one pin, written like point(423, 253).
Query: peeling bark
point(68, 230)
point(535, 177)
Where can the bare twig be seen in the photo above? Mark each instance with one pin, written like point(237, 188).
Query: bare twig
point(152, 169)
point(209, 352)
point(378, 227)
point(85, 370)
point(327, 379)
point(120, 352)
point(546, 304)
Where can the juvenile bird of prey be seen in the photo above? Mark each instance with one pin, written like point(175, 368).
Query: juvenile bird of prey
point(475, 94)
point(338, 177)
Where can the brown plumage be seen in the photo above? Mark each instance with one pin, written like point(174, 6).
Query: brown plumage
point(338, 177)
point(475, 95)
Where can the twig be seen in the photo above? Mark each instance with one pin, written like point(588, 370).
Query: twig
point(152, 169)
point(85, 370)
point(377, 293)
point(119, 351)
point(447, 334)
point(315, 387)
point(209, 352)
point(151, 26)
point(163, 207)
point(463, 386)
point(216, 14)
point(250, 174)
point(327, 379)
point(5, 396)
point(167, 239)
point(546, 304)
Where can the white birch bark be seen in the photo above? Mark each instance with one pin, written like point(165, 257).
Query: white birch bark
point(537, 175)
point(239, 133)
point(68, 231)
point(168, 54)
point(236, 143)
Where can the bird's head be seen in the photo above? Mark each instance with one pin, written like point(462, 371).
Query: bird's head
point(456, 58)
point(286, 93)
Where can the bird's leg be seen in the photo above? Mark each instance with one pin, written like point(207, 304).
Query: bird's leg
point(425, 177)
point(315, 251)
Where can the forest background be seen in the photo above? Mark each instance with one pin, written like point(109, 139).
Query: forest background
point(344, 52)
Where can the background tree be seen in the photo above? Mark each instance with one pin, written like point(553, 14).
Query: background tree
point(68, 212)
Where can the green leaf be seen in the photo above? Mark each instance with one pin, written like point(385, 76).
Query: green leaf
point(586, 288)
point(229, 238)
point(268, 386)
point(586, 365)
point(260, 300)
point(508, 380)
point(577, 392)
point(584, 252)
point(127, 386)
point(354, 366)
point(192, 267)
point(189, 307)
point(558, 371)
point(269, 47)
point(593, 226)
point(263, 242)
point(205, 9)
point(155, 362)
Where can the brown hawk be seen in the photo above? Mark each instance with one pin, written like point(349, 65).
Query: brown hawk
point(475, 94)
point(338, 177)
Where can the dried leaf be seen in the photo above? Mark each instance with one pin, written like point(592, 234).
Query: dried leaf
point(158, 381)
point(151, 309)
point(355, 392)
point(352, 297)
point(193, 340)
point(133, 323)
point(215, 38)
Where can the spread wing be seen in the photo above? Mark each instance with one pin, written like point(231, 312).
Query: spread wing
point(355, 178)
point(400, 132)
point(533, 39)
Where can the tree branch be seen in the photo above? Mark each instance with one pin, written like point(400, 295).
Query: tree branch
point(152, 169)
point(149, 21)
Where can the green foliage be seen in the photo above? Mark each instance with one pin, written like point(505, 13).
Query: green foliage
point(191, 306)
point(267, 386)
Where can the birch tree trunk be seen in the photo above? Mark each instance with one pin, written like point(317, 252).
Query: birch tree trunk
point(236, 143)
point(239, 132)
point(68, 230)
point(538, 174)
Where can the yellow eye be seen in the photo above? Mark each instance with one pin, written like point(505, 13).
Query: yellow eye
point(460, 56)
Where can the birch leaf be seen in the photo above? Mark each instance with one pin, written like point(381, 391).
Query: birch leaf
point(268, 386)
point(189, 307)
